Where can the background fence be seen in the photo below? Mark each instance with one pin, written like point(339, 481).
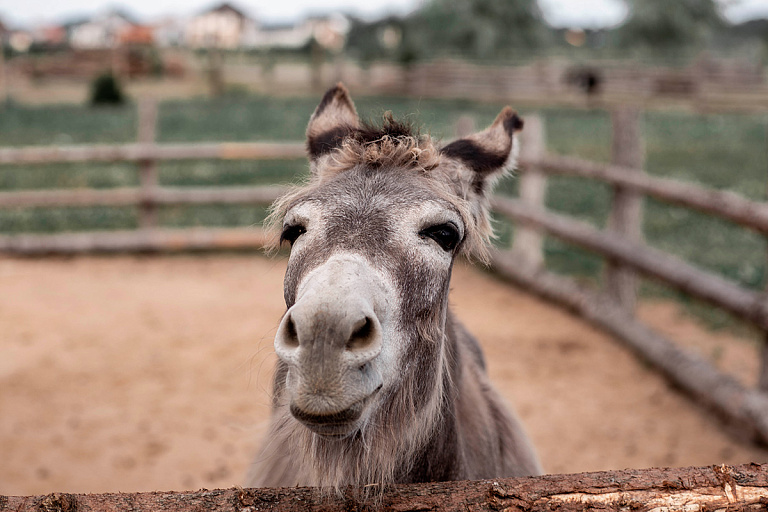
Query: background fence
point(611, 307)
point(706, 82)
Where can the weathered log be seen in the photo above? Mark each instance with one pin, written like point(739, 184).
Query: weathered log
point(743, 488)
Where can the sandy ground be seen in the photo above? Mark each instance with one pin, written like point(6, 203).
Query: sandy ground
point(152, 373)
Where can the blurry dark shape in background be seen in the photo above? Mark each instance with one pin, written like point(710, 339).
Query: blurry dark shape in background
point(106, 90)
point(586, 79)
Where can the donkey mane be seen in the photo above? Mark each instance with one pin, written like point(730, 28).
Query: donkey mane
point(393, 144)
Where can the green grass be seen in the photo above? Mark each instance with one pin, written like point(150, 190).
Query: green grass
point(68, 175)
point(66, 124)
point(53, 220)
point(724, 151)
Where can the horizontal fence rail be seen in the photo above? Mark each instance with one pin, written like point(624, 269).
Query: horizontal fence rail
point(746, 304)
point(150, 151)
point(163, 196)
point(724, 204)
point(142, 240)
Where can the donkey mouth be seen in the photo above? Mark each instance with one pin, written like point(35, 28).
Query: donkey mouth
point(337, 424)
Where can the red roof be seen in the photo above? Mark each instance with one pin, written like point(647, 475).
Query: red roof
point(137, 34)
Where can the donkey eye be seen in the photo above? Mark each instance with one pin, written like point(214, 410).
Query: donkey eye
point(291, 233)
point(446, 235)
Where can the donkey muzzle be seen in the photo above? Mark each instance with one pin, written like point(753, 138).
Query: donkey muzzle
point(330, 339)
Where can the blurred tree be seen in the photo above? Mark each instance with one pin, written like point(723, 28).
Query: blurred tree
point(380, 39)
point(479, 28)
point(469, 28)
point(665, 24)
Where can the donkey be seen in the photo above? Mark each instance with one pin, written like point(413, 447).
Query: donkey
point(376, 381)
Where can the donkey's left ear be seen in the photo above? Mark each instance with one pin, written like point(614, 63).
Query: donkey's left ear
point(334, 118)
point(490, 152)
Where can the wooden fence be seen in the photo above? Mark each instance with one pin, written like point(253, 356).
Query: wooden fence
point(148, 196)
point(611, 308)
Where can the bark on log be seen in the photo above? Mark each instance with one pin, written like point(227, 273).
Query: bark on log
point(742, 488)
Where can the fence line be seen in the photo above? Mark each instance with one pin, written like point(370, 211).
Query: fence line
point(612, 307)
point(621, 244)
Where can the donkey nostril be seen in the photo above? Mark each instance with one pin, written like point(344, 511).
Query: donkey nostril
point(362, 335)
point(290, 338)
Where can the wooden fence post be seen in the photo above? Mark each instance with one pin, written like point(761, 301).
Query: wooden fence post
point(215, 71)
point(147, 168)
point(626, 217)
point(528, 242)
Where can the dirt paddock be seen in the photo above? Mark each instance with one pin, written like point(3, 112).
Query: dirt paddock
point(152, 373)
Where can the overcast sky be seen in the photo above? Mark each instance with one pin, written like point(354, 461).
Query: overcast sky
point(583, 13)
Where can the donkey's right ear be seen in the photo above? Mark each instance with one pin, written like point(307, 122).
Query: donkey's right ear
point(334, 118)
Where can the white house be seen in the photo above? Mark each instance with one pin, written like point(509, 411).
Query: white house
point(223, 26)
point(226, 26)
point(169, 31)
point(329, 31)
point(102, 31)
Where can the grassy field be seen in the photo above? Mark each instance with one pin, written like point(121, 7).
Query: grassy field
point(724, 151)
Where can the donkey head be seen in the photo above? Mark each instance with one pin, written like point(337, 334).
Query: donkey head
point(373, 239)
